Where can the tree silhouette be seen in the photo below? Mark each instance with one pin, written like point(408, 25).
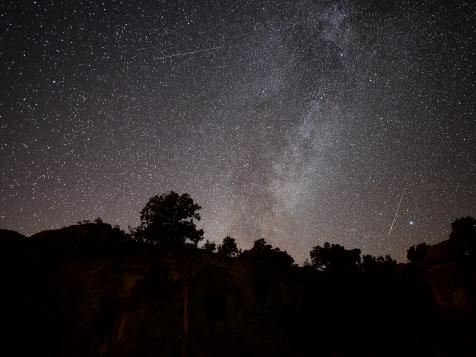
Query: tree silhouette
point(210, 246)
point(168, 219)
point(265, 253)
point(416, 254)
point(334, 258)
point(228, 248)
point(463, 235)
point(378, 264)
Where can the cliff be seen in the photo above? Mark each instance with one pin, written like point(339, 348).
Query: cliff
point(86, 291)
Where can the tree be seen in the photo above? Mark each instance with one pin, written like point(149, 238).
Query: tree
point(334, 258)
point(416, 254)
point(463, 235)
point(168, 219)
point(267, 254)
point(378, 264)
point(210, 246)
point(228, 248)
point(307, 264)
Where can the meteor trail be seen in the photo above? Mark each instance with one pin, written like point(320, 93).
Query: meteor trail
point(181, 54)
point(396, 213)
point(189, 53)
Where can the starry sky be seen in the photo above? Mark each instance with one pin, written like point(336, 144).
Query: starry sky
point(298, 121)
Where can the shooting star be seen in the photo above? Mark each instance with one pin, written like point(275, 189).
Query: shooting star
point(181, 54)
point(396, 213)
point(189, 53)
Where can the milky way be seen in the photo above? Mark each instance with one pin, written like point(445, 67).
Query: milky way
point(297, 121)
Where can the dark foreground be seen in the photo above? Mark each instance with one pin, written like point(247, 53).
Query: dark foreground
point(82, 291)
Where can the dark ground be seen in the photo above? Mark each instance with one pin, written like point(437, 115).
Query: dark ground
point(82, 291)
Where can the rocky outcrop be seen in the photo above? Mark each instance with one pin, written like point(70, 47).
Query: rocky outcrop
point(440, 253)
point(451, 277)
point(86, 291)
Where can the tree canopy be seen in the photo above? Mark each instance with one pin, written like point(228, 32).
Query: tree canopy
point(266, 253)
point(417, 253)
point(228, 248)
point(334, 257)
point(169, 219)
point(463, 235)
point(210, 246)
point(371, 264)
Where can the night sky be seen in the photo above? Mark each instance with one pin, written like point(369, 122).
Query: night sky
point(298, 121)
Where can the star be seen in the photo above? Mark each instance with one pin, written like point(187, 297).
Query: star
point(295, 121)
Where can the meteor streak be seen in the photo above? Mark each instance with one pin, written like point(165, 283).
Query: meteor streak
point(189, 53)
point(396, 213)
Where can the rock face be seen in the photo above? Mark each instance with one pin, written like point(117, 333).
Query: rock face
point(441, 253)
point(84, 291)
point(452, 277)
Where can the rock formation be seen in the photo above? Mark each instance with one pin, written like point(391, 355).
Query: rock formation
point(86, 290)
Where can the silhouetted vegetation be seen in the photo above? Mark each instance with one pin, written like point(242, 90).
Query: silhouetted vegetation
point(210, 246)
point(416, 253)
point(267, 254)
point(168, 220)
point(335, 258)
point(463, 236)
point(379, 264)
point(228, 247)
point(92, 280)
